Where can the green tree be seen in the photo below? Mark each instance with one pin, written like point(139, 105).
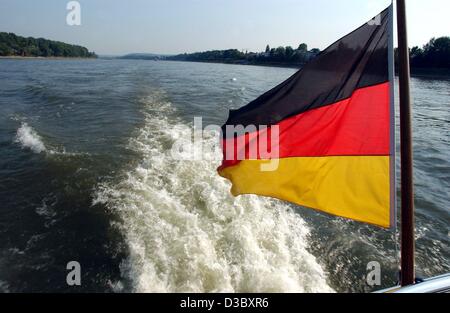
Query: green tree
point(289, 53)
point(280, 54)
point(303, 47)
point(437, 52)
point(416, 51)
point(11, 44)
point(4, 49)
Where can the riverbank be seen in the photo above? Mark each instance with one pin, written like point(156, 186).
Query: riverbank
point(415, 72)
point(16, 57)
point(266, 64)
point(430, 72)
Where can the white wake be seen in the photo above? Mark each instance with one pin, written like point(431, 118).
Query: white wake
point(28, 138)
point(186, 233)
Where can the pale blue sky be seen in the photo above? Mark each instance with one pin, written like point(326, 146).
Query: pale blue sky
point(174, 26)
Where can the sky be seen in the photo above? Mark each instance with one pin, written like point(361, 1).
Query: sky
point(116, 27)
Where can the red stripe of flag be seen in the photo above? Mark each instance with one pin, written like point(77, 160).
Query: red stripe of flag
point(356, 126)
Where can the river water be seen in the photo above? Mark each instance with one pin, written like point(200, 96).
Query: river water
point(87, 175)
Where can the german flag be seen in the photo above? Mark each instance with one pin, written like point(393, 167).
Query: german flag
point(334, 126)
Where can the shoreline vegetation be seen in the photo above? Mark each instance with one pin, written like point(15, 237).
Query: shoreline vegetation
point(13, 46)
point(433, 59)
point(281, 56)
point(17, 57)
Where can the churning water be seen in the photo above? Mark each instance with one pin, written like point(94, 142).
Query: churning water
point(87, 175)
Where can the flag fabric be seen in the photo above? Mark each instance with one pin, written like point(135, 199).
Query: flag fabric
point(335, 129)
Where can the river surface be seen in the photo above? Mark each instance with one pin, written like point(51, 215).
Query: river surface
point(87, 174)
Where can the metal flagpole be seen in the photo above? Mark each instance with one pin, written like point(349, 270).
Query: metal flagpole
point(407, 187)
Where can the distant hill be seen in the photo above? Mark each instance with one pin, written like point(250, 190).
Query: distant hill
point(13, 45)
point(144, 56)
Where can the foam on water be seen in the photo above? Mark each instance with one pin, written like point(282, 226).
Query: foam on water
point(47, 211)
point(186, 233)
point(4, 287)
point(29, 139)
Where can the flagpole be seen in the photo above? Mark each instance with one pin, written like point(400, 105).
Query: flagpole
point(407, 187)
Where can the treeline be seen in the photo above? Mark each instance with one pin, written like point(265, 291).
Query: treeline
point(13, 45)
point(287, 56)
point(435, 54)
